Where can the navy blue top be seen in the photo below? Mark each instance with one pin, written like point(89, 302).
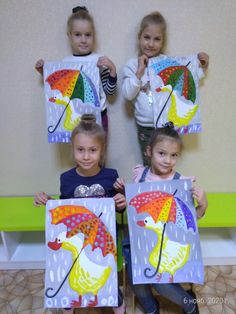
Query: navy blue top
point(74, 185)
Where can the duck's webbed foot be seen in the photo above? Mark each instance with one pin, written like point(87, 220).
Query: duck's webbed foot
point(93, 302)
point(159, 276)
point(77, 303)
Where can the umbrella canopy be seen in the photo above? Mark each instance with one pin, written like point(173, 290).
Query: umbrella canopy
point(74, 84)
point(181, 80)
point(79, 219)
point(165, 207)
point(178, 76)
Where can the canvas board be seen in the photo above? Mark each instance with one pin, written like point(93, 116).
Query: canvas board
point(81, 258)
point(163, 232)
point(174, 83)
point(71, 89)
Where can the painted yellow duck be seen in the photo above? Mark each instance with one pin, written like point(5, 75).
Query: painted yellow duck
point(173, 254)
point(85, 276)
point(180, 112)
point(71, 118)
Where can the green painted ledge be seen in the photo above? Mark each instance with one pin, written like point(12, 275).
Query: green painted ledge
point(19, 214)
point(221, 211)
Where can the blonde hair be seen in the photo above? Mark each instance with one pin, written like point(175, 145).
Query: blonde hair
point(155, 18)
point(88, 126)
point(80, 14)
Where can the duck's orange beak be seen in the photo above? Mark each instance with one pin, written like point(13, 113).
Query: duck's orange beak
point(141, 223)
point(54, 245)
point(52, 99)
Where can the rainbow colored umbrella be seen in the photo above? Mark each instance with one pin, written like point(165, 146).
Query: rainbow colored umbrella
point(72, 84)
point(165, 207)
point(79, 219)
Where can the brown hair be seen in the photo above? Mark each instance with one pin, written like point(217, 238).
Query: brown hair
point(168, 131)
point(88, 126)
point(155, 18)
point(80, 13)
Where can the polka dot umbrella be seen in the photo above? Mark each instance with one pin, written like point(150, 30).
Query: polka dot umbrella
point(79, 219)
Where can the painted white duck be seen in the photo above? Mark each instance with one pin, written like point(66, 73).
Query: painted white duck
point(85, 276)
point(173, 254)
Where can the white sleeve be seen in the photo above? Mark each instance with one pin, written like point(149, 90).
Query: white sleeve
point(130, 83)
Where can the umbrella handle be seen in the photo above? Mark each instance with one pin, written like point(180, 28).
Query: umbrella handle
point(157, 120)
point(159, 260)
point(59, 288)
point(50, 130)
point(149, 269)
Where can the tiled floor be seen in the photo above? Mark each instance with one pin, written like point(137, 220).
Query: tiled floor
point(22, 292)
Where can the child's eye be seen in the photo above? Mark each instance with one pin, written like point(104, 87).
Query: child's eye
point(93, 150)
point(161, 153)
point(175, 155)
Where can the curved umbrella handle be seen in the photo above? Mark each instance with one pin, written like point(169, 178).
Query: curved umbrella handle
point(50, 130)
point(149, 269)
point(59, 288)
point(159, 260)
point(157, 120)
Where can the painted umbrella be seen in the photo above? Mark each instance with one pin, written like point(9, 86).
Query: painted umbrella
point(71, 84)
point(165, 207)
point(79, 219)
point(180, 78)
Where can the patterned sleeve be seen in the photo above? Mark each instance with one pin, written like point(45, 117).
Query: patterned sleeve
point(108, 82)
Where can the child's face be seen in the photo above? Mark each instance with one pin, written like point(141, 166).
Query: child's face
point(87, 152)
point(164, 156)
point(81, 37)
point(151, 40)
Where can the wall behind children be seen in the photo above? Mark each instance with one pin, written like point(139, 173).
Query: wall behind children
point(37, 29)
